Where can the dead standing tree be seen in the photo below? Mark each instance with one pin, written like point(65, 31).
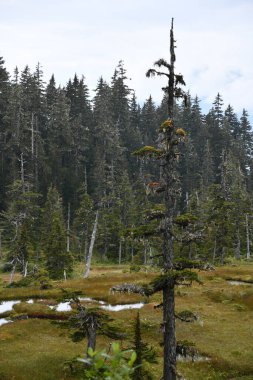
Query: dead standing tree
point(167, 155)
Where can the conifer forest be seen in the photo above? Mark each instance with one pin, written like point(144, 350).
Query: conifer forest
point(108, 205)
point(65, 155)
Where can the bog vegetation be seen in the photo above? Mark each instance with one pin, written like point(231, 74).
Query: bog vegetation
point(217, 331)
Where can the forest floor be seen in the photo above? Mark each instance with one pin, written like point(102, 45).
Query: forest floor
point(37, 349)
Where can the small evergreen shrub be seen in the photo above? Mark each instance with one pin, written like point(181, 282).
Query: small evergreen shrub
point(135, 268)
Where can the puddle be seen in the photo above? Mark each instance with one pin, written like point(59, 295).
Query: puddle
point(189, 358)
point(62, 306)
point(236, 282)
point(66, 306)
point(3, 321)
point(122, 307)
point(7, 305)
point(87, 299)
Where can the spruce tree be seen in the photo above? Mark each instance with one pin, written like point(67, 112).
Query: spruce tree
point(214, 121)
point(20, 222)
point(80, 125)
point(148, 122)
point(166, 154)
point(58, 169)
point(57, 258)
point(107, 159)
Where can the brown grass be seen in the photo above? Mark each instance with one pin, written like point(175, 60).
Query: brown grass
point(223, 332)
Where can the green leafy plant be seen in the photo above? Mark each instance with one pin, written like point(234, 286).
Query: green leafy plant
point(101, 365)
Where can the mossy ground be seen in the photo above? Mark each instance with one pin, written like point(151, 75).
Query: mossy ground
point(38, 348)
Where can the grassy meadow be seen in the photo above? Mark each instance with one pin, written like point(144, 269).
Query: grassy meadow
point(37, 349)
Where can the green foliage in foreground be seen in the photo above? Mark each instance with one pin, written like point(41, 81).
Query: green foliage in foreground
point(104, 366)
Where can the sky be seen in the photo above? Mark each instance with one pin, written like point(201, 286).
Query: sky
point(89, 37)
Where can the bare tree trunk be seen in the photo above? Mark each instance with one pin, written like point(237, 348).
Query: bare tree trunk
point(13, 272)
point(169, 332)
point(92, 333)
point(92, 241)
point(187, 200)
point(223, 252)
point(247, 237)
point(197, 198)
point(85, 246)
point(25, 269)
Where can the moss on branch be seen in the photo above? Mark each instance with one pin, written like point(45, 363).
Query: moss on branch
point(149, 151)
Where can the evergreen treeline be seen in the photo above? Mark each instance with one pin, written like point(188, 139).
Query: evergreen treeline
point(63, 156)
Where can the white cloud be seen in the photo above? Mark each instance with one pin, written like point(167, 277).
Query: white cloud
point(89, 38)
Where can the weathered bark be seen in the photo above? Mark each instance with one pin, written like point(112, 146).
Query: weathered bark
point(92, 335)
point(92, 241)
point(25, 268)
point(85, 245)
point(169, 371)
point(169, 333)
point(92, 326)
